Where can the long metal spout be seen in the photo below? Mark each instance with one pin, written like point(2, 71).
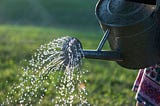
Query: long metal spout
point(103, 55)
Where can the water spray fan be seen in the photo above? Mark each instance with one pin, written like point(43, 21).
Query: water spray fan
point(131, 28)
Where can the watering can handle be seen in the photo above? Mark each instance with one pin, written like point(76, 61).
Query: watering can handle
point(152, 2)
point(157, 5)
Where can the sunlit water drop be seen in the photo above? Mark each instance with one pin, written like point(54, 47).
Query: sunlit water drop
point(58, 64)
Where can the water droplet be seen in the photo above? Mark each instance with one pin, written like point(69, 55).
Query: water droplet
point(60, 54)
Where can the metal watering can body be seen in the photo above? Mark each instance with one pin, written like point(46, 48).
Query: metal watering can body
point(134, 32)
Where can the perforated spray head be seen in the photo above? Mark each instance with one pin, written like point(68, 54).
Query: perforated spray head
point(72, 52)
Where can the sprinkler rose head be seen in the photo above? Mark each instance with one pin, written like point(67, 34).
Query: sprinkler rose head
point(72, 52)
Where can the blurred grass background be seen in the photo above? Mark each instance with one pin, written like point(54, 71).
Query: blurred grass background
point(27, 24)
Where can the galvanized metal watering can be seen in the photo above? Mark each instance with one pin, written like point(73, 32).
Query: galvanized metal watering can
point(132, 30)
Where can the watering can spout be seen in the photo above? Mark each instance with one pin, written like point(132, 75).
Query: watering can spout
point(103, 55)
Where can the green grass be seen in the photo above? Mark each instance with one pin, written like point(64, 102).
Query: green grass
point(107, 83)
point(27, 24)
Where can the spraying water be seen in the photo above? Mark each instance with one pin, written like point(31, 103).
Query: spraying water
point(57, 64)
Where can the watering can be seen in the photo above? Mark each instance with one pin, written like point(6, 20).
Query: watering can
point(132, 28)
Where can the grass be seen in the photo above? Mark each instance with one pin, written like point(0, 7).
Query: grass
point(107, 83)
point(27, 24)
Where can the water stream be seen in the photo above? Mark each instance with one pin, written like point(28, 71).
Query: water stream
point(58, 64)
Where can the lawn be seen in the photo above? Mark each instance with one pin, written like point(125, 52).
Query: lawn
point(107, 83)
point(23, 31)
